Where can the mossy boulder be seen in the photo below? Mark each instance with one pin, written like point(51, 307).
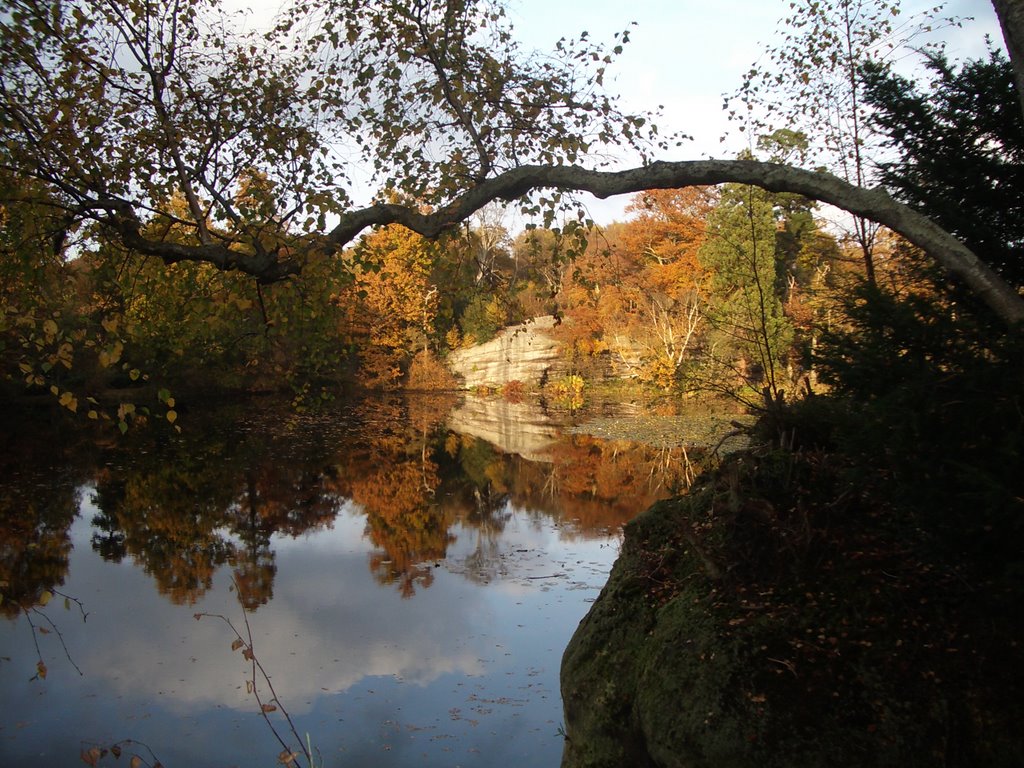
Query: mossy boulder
point(776, 617)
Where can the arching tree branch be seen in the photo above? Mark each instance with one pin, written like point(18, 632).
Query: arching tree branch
point(874, 204)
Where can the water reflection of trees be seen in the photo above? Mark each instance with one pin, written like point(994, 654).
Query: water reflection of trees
point(34, 542)
point(39, 498)
point(403, 521)
point(167, 515)
point(590, 485)
point(184, 506)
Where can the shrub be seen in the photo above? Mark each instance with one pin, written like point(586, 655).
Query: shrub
point(426, 372)
point(513, 391)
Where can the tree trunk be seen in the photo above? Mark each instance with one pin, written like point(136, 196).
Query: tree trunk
point(1011, 19)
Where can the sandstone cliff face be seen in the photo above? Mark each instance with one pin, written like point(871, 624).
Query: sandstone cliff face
point(518, 353)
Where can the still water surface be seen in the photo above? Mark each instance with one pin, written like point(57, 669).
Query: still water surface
point(410, 572)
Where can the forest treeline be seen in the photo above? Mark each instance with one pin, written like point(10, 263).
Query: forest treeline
point(725, 289)
point(728, 288)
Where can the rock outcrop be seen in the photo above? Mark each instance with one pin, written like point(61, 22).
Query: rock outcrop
point(757, 623)
point(518, 353)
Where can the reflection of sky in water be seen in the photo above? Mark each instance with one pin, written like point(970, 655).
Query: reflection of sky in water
point(463, 673)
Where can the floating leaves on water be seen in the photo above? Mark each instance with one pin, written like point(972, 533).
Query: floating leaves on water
point(91, 756)
point(172, 416)
point(136, 762)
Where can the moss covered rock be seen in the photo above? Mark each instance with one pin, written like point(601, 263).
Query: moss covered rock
point(775, 617)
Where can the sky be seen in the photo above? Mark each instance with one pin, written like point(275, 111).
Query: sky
point(686, 54)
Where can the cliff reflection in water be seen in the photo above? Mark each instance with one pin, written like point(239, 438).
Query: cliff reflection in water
point(182, 507)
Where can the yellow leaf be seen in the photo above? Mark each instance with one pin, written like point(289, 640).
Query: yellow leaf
point(136, 762)
point(170, 402)
point(69, 401)
point(109, 357)
point(46, 597)
point(65, 355)
point(50, 328)
point(172, 416)
point(93, 415)
point(134, 374)
point(41, 669)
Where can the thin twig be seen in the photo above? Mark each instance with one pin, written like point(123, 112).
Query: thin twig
point(60, 636)
point(246, 643)
point(35, 641)
point(81, 607)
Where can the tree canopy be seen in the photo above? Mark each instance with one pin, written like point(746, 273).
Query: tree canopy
point(110, 110)
point(959, 152)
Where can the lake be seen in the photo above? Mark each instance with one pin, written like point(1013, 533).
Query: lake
point(400, 576)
